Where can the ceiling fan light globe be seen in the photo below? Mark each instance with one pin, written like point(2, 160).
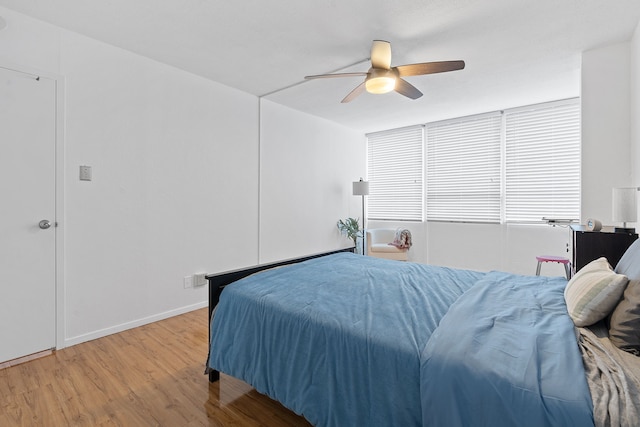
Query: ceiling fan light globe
point(379, 85)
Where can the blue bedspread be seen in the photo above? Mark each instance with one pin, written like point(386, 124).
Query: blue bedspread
point(338, 338)
point(506, 354)
point(347, 340)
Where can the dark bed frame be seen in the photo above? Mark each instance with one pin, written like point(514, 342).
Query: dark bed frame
point(217, 283)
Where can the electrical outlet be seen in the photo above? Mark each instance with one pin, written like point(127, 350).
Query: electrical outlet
point(188, 282)
point(199, 279)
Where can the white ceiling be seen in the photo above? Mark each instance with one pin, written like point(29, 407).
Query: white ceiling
point(517, 52)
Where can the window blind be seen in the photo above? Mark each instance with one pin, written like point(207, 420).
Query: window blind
point(463, 169)
point(542, 162)
point(395, 173)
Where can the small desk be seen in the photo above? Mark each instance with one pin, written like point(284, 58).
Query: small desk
point(590, 245)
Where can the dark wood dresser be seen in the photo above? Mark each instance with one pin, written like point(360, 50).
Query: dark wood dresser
point(590, 245)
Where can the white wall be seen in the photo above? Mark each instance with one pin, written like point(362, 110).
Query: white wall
point(307, 166)
point(485, 247)
point(506, 247)
point(175, 163)
point(606, 148)
point(176, 171)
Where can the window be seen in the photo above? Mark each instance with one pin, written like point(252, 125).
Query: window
point(542, 167)
point(395, 170)
point(463, 169)
point(518, 165)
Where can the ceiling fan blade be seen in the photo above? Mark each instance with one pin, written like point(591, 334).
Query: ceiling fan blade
point(381, 54)
point(330, 76)
point(429, 68)
point(405, 88)
point(354, 93)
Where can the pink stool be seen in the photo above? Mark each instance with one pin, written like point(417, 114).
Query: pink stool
point(558, 259)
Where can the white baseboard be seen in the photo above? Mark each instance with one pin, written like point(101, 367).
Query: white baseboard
point(68, 342)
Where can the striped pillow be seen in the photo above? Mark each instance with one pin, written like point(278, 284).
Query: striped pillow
point(593, 292)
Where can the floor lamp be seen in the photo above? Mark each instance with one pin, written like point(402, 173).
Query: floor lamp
point(361, 188)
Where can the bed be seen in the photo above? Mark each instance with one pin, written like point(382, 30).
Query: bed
point(347, 340)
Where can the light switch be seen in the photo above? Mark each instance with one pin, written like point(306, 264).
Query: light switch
point(85, 173)
point(187, 282)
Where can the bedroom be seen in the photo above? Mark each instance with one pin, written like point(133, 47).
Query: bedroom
point(161, 218)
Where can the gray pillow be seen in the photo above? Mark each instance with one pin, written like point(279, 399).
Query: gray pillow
point(624, 326)
point(629, 264)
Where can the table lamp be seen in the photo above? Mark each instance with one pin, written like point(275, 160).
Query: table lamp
point(625, 208)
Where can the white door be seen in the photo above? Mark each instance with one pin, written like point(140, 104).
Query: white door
point(27, 197)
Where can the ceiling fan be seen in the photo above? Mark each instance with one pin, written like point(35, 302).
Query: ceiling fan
point(382, 78)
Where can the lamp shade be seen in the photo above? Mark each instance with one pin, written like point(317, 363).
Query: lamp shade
point(380, 85)
point(380, 81)
point(361, 188)
point(625, 205)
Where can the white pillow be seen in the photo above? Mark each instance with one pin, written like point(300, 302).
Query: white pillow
point(593, 292)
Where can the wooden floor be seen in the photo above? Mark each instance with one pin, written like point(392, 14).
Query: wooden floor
point(148, 376)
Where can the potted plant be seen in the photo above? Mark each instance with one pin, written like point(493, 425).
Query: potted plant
point(351, 228)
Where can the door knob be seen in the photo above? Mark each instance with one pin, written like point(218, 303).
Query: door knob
point(44, 224)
